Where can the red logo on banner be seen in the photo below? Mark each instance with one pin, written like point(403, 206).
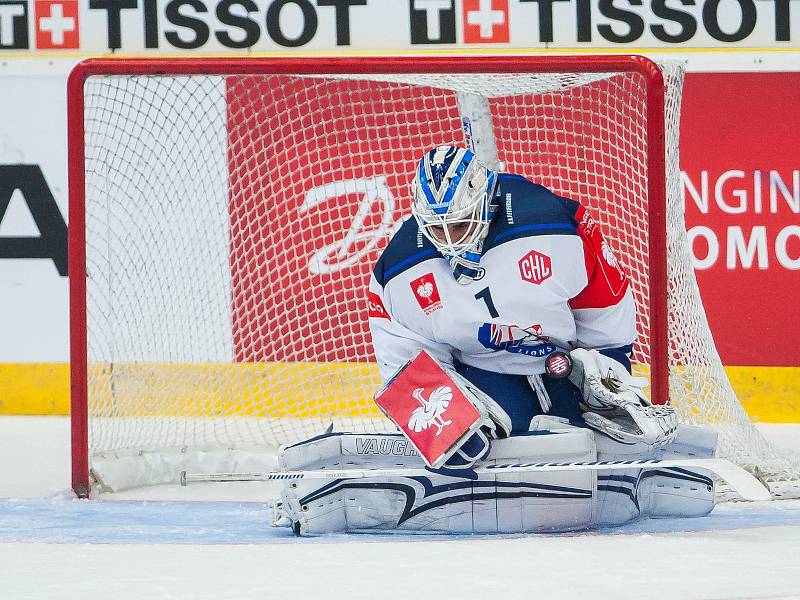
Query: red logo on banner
point(535, 267)
point(57, 24)
point(485, 21)
point(429, 407)
point(426, 293)
point(376, 308)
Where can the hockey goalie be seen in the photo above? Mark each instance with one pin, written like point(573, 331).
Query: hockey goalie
point(503, 326)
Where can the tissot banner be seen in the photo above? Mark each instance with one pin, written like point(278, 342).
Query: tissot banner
point(218, 26)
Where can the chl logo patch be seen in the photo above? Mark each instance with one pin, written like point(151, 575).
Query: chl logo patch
point(535, 267)
point(426, 293)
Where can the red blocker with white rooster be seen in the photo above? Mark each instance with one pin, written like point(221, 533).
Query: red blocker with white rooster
point(447, 420)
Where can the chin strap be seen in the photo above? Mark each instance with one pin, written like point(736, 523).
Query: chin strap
point(466, 269)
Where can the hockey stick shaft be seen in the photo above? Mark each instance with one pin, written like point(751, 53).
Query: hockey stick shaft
point(747, 486)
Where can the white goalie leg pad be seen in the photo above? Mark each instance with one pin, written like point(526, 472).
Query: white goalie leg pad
point(439, 502)
point(538, 502)
point(681, 492)
point(625, 495)
point(316, 506)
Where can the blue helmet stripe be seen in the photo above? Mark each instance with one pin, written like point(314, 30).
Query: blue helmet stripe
point(489, 206)
point(432, 189)
point(456, 180)
point(424, 185)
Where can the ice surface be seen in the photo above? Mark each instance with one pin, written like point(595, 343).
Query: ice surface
point(157, 544)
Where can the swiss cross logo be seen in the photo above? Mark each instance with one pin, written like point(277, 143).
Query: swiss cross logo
point(485, 21)
point(376, 308)
point(57, 24)
point(427, 294)
point(535, 267)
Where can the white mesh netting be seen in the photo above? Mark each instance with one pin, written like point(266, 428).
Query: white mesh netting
point(232, 223)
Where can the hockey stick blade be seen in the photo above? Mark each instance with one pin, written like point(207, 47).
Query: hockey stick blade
point(742, 482)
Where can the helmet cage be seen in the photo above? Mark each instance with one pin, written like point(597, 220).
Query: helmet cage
point(462, 197)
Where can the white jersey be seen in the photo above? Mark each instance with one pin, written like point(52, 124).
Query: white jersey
point(551, 282)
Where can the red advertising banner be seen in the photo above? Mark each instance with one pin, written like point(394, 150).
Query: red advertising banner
point(313, 200)
point(321, 167)
point(741, 182)
point(319, 178)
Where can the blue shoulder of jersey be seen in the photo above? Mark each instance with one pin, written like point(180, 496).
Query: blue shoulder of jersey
point(525, 209)
point(408, 247)
point(528, 209)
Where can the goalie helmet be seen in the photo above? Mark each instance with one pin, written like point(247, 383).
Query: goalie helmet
point(452, 203)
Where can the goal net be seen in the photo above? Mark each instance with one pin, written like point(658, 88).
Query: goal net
point(225, 216)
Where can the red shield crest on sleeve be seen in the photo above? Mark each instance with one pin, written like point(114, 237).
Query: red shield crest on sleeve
point(429, 407)
point(426, 292)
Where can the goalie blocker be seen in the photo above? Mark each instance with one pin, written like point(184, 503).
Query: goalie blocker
point(446, 418)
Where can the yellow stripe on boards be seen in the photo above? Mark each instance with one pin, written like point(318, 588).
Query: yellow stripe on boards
point(768, 394)
point(34, 389)
point(275, 389)
point(291, 390)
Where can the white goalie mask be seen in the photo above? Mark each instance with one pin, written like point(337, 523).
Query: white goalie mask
point(453, 200)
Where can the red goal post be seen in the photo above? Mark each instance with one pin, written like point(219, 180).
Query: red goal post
point(97, 177)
